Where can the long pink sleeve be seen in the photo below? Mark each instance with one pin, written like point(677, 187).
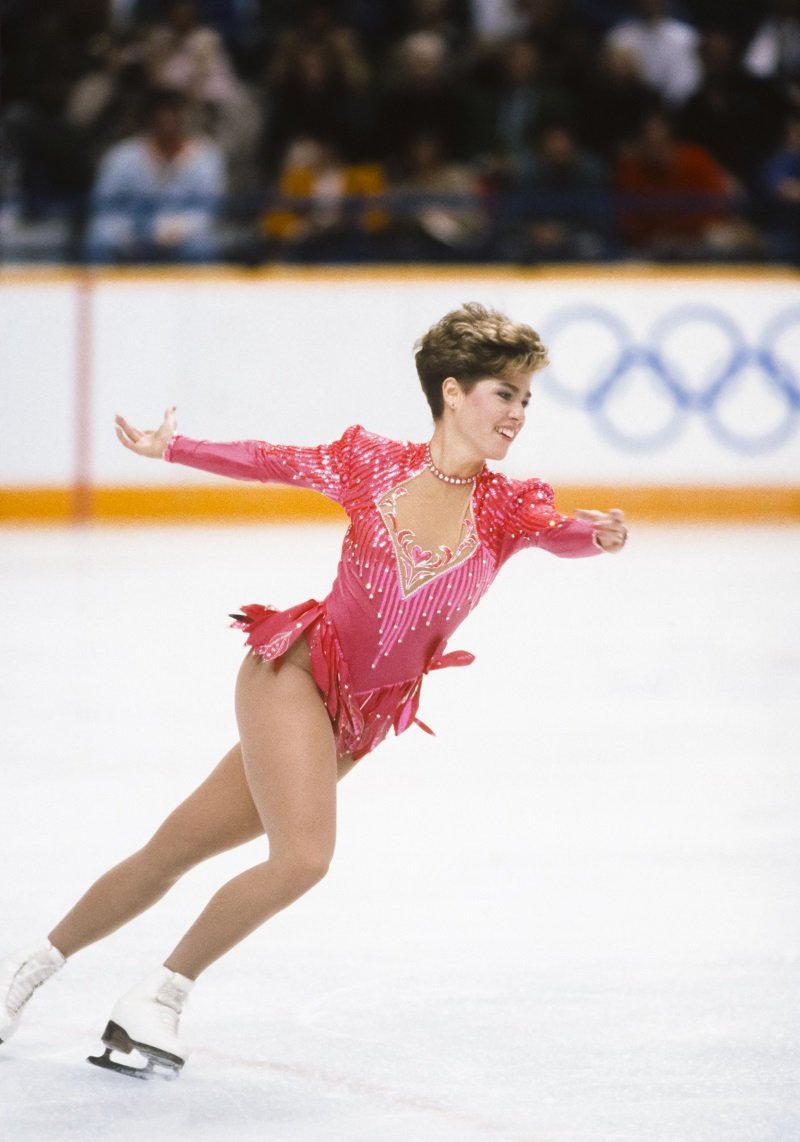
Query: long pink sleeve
point(321, 467)
point(534, 522)
point(572, 540)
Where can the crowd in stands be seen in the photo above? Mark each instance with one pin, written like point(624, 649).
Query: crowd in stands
point(417, 130)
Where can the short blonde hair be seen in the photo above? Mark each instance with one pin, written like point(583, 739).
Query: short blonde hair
point(470, 344)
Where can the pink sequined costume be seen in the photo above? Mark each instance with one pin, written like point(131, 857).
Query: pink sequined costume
point(392, 607)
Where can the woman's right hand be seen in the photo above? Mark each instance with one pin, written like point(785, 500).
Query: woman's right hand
point(151, 442)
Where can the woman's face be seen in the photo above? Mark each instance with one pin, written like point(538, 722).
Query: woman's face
point(489, 416)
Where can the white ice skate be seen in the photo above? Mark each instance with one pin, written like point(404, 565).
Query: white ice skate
point(145, 1020)
point(20, 974)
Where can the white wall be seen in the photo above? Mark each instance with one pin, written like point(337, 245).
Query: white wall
point(299, 357)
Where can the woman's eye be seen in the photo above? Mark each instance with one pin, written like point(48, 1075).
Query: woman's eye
point(504, 395)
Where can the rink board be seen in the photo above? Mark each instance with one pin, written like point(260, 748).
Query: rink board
point(675, 394)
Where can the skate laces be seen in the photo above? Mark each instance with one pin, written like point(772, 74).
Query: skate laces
point(31, 973)
point(169, 1001)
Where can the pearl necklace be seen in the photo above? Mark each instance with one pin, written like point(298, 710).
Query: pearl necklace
point(459, 480)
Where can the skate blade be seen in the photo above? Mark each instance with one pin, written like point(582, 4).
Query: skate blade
point(108, 1063)
point(157, 1064)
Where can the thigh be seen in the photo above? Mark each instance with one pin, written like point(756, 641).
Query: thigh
point(289, 756)
point(217, 816)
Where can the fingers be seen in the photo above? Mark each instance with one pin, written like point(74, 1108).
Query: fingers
point(132, 433)
point(614, 515)
point(135, 433)
point(611, 542)
point(609, 530)
point(150, 442)
point(124, 440)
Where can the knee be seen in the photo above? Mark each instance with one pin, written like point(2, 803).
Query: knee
point(304, 867)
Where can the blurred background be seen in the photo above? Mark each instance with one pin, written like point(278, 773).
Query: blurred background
point(517, 131)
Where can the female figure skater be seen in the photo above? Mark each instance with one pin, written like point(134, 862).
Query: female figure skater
point(324, 682)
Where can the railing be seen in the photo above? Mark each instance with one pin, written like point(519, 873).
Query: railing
point(512, 226)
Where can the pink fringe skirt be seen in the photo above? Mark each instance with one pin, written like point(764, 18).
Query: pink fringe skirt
point(361, 720)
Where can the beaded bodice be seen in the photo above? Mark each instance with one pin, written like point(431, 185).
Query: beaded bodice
point(393, 605)
point(415, 566)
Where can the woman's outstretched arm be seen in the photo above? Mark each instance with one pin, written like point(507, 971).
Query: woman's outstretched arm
point(323, 468)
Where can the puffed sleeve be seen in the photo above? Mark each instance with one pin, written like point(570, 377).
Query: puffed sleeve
point(322, 468)
point(534, 522)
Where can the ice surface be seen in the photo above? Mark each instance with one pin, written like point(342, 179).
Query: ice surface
point(570, 917)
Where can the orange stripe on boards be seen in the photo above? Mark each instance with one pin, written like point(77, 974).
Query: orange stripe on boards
point(209, 504)
point(690, 504)
point(407, 273)
point(170, 505)
point(200, 504)
point(36, 505)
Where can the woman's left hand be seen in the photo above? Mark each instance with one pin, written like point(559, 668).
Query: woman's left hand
point(610, 532)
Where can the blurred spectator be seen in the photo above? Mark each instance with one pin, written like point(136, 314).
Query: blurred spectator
point(445, 18)
point(438, 211)
point(494, 20)
point(243, 26)
point(421, 94)
point(733, 114)
point(614, 101)
point(317, 79)
point(666, 49)
point(676, 199)
point(105, 104)
point(185, 55)
point(781, 183)
point(317, 23)
point(522, 103)
point(774, 52)
point(326, 207)
point(188, 56)
point(563, 43)
point(313, 101)
point(560, 201)
point(157, 194)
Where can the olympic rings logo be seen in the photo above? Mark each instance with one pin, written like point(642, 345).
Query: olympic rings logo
point(694, 360)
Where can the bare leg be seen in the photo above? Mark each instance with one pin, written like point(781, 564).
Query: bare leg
point(291, 768)
point(218, 816)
